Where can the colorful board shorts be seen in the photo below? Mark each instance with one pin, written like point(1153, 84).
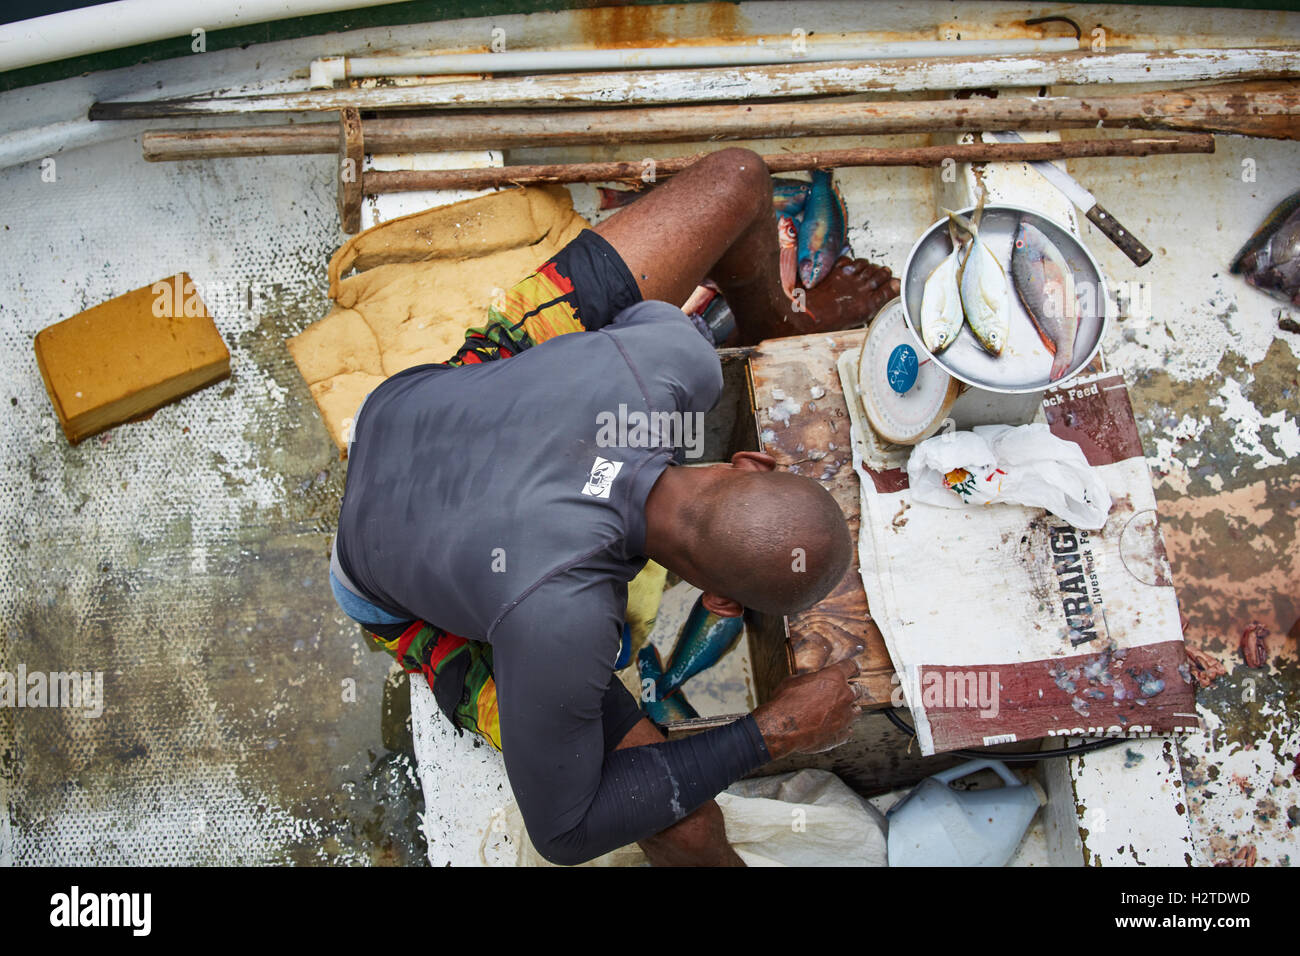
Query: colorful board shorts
point(582, 288)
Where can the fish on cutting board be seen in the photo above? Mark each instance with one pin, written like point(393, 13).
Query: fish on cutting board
point(985, 296)
point(701, 643)
point(941, 312)
point(1045, 285)
point(662, 710)
point(1270, 260)
point(823, 234)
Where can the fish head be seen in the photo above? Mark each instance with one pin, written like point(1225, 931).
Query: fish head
point(816, 267)
point(1030, 239)
point(1277, 239)
point(787, 235)
point(1285, 244)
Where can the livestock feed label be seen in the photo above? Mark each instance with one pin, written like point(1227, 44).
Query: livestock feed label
point(1005, 623)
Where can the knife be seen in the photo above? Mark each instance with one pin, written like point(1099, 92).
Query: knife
point(1086, 201)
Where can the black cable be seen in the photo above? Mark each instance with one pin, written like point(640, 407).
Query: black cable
point(1074, 751)
point(1077, 32)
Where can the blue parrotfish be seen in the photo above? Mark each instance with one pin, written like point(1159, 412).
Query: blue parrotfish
point(662, 710)
point(702, 642)
point(789, 196)
point(823, 234)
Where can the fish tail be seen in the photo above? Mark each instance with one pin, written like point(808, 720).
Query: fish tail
point(952, 234)
point(1060, 364)
point(963, 223)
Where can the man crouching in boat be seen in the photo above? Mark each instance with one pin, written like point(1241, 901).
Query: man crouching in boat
point(486, 536)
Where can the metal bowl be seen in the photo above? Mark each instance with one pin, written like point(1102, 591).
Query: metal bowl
point(1025, 363)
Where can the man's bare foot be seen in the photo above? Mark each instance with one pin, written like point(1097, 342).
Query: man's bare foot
point(849, 296)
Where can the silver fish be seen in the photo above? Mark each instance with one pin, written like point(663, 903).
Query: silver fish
point(941, 311)
point(985, 296)
point(1045, 285)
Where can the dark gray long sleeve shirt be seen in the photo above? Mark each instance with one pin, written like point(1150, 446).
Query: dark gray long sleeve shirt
point(487, 500)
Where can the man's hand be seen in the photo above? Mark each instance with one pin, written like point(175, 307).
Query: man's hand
point(809, 713)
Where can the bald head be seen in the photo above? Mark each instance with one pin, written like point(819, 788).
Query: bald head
point(769, 540)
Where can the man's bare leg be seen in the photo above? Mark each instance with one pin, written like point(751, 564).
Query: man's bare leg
point(699, 839)
point(715, 219)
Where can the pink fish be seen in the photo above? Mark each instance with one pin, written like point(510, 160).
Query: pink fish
point(700, 298)
point(788, 239)
point(617, 198)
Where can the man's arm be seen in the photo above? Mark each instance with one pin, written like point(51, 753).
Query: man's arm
point(553, 664)
point(699, 838)
point(805, 713)
point(577, 801)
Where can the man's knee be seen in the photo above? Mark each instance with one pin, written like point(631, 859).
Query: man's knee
point(744, 172)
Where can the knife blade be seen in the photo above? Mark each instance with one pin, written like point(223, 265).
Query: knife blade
point(1111, 227)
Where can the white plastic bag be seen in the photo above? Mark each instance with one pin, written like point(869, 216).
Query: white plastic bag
point(1024, 465)
point(803, 818)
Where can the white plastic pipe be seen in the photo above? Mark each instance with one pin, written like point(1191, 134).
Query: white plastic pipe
point(111, 26)
point(327, 70)
point(26, 145)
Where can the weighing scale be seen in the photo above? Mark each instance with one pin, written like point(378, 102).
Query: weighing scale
point(905, 394)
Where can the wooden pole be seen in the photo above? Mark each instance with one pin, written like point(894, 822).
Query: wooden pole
point(640, 171)
point(352, 156)
point(1269, 110)
point(736, 85)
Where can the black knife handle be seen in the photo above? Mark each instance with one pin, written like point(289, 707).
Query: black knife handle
point(1116, 233)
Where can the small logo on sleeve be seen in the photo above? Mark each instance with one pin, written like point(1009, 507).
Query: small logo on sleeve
point(603, 473)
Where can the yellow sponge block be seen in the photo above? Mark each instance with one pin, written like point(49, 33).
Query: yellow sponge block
point(129, 356)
